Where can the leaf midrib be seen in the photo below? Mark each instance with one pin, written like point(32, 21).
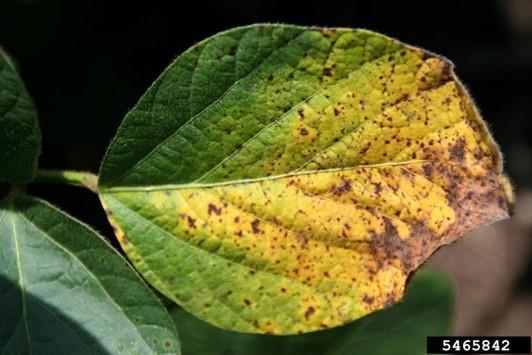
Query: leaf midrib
point(105, 190)
point(21, 281)
point(296, 172)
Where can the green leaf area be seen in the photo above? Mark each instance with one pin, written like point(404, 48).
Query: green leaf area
point(20, 137)
point(64, 290)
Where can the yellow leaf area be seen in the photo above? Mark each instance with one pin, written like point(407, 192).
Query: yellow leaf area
point(358, 186)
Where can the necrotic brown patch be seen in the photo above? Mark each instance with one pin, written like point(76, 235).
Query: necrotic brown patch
point(458, 150)
point(342, 189)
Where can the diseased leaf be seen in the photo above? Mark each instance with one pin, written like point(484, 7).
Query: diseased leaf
point(20, 137)
point(63, 290)
point(425, 310)
point(282, 179)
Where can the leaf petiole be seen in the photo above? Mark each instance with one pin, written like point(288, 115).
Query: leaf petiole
point(68, 177)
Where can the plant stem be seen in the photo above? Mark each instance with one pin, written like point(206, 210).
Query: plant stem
point(69, 177)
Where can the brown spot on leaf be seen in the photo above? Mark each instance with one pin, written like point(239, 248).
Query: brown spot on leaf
point(446, 101)
point(368, 299)
point(327, 71)
point(303, 132)
point(365, 149)
point(255, 226)
point(214, 209)
point(446, 71)
point(378, 188)
point(309, 312)
point(458, 150)
point(303, 241)
point(427, 169)
point(427, 55)
point(191, 222)
point(342, 189)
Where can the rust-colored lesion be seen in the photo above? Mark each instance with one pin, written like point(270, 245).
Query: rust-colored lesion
point(476, 202)
point(469, 168)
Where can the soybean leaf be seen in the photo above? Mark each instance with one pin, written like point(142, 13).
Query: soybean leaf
point(283, 179)
point(64, 290)
point(20, 137)
point(425, 310)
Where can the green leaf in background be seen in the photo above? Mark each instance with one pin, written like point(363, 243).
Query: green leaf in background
point(284, 179)
point(20, 137)
point(400, 329)
point(64, 290)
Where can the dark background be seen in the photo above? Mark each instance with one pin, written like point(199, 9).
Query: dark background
point(87, 62)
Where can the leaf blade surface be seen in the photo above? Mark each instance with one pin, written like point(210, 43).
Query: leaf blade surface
point(314, 184)
point(65, 290)
point(20, 137)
